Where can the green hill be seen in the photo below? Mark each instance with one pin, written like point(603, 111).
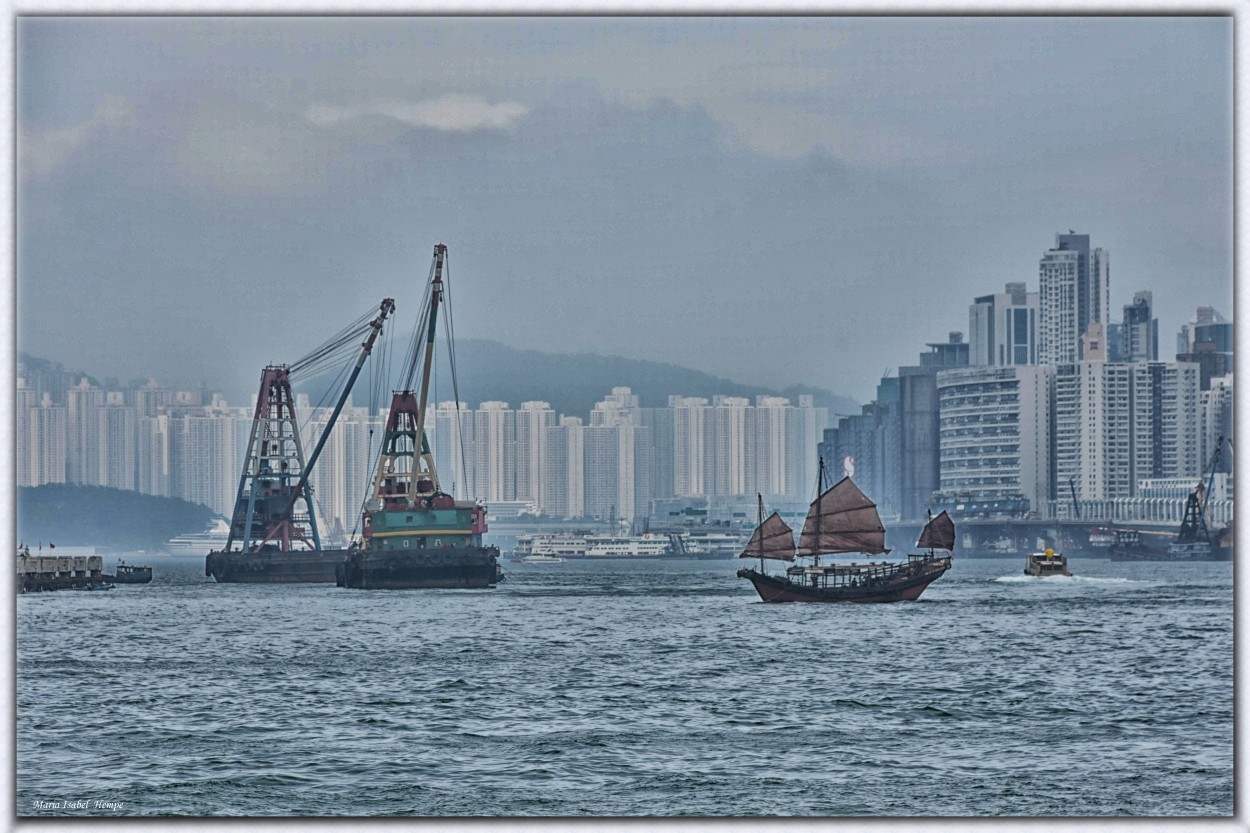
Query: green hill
point(101, 517)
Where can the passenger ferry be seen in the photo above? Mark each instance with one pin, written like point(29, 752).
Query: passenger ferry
point(648, 545)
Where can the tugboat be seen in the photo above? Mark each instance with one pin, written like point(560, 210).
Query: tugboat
point(1048, 563)
point(132, 574)
point(415, 535)
point(843, 520)
point(269, 540)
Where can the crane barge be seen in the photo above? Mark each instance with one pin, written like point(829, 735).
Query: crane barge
point(273, 529)
point(415, 535)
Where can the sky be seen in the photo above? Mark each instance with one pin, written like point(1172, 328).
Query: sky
point(773, 200)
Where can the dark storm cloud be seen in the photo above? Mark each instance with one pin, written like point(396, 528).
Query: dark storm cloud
point(770, 200)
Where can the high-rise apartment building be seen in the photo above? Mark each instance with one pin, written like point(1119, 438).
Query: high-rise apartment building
point(995, 438)
point(1075, 292)
point(564, 486)
point(733, 441)
point(690, 435)
point(1167, 415)
point(532, 422)
point(1093, 431)
point(772, 444)
point(494, 440)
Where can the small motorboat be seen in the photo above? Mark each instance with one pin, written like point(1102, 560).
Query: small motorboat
point(1048, 563)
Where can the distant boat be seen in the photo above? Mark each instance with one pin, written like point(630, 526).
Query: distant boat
point(132, 574)
point(843, 520)
point(539, 559)
point(1045, 564)
point(1101, 537)
point(200, 543)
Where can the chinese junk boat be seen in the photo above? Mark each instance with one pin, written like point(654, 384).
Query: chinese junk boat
point(273, 531)
point(416, 535)
point(843, 520)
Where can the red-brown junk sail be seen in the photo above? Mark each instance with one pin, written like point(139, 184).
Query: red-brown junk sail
point(938, 534)
point(772, 539)
point(843, 519)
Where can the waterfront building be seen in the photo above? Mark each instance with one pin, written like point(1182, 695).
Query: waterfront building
point(994, 439)
point(1075, 292)
point(920, 446)
point(1002, 328)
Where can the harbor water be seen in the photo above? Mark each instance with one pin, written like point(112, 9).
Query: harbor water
point(618, 688)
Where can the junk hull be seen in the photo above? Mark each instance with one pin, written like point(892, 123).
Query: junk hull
point(903, 588)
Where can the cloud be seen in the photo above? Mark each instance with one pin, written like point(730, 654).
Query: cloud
point(44, 151)
point(449, 113)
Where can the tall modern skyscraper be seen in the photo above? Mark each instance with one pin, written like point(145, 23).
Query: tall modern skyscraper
point(1002, 328)
point(1075, 292)
point(1139, 332)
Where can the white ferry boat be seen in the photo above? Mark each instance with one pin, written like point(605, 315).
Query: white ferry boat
point(649, 545)
point(550, 544)
point(212, 539)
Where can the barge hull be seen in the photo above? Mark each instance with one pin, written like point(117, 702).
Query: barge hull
point(468, 567)
point(307, 566)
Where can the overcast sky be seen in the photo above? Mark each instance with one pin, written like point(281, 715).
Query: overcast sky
point(778, 201)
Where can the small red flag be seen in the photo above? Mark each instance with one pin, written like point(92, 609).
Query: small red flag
point(51, 545)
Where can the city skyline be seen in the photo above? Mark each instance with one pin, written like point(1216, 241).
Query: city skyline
point(739, 193)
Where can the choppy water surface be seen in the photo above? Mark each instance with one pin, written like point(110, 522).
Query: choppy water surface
point(622, 689)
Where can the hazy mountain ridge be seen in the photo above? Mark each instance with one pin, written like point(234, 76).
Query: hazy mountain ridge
point(572, 382)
